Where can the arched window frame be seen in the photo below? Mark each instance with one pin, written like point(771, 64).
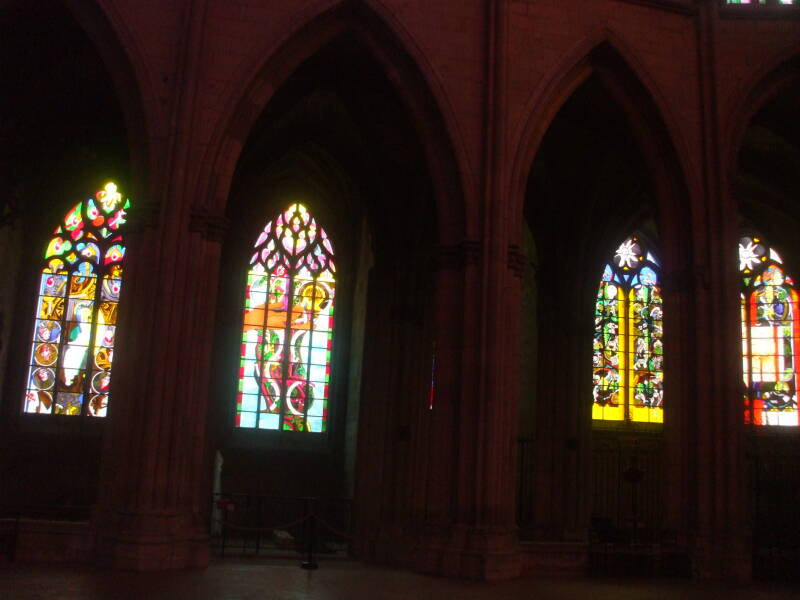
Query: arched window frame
point(770, 336)
point(627, 359)
point(292, 272)
point(760, 3)
point(71, 355)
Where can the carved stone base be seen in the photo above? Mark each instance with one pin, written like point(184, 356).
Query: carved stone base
point(563, 558)
point(470, 554)
point(389, 545)
point(52, 541)
point(151, 542)
point(729, 561)
point(138, 555)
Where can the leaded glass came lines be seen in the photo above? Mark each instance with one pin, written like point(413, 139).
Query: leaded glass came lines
point(285, 363)
point(761, 2)
point(770, 333)
point(628, 355)
point(76, 312)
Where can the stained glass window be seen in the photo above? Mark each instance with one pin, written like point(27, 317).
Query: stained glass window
point(761, 2)
point(770, 334)
point(628, 355)
point(76, 310)
point(285, 365)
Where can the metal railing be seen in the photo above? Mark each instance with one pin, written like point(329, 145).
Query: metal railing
point(281, 527)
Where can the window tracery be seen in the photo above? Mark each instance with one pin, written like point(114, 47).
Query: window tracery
point(628, 357)
point(287, 332)
point(762, 2)
point(72, 349)
point(770, 332)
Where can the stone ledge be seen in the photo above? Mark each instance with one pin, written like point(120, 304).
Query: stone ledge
point(563, 558)
point(53, 541)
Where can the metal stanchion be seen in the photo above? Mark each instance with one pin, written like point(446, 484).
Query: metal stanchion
point(224, 534)
point(306, 542)
point(309, 563)
point(259, 512)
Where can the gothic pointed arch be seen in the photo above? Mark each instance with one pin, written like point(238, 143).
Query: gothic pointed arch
point(780, 75)
point(131, 78)
point(770, 335)
point(372, 32)
point(606, 58)
point(287, 329)
point(74, 326)
point(628, 358)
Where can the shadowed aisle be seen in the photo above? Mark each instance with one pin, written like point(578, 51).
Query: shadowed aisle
point(236, 579)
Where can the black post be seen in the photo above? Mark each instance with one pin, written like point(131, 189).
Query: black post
point(309, 530)
point(223, 522)
point(520, 475)
point(259, 507)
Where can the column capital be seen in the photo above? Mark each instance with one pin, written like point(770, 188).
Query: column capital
point(469, 552)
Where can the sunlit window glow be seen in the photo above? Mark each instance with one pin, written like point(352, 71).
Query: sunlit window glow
point(627, 360)
point(76, 311)
point(770, 333)
point(762, 2)
point(287, 335)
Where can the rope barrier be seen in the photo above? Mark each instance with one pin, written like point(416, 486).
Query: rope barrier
point(331, 528)
point(260, 529)
point(322, 521)
point(309, 539)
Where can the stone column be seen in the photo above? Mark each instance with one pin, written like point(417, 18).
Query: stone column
point(469, 527)
point(393, 422)
point(721, 545)
point(561, 496)
point(436, 514)
point(483, 541)
point(151, 512)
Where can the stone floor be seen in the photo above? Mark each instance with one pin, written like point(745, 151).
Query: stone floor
point(232, 579)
